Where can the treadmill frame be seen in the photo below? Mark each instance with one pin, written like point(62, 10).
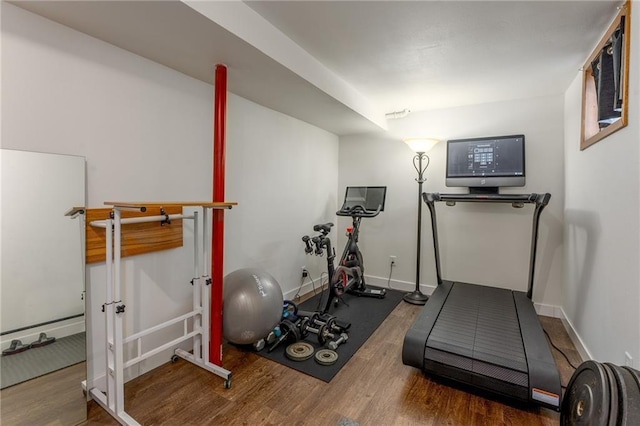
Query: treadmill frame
point(543, 378)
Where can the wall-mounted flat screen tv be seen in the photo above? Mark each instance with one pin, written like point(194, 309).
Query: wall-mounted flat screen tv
point(486, 164)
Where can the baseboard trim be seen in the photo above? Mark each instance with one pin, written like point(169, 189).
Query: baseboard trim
point(398, 285)
point(304, 290)
point(57, 330)
point(548, 310)
point(575, 337)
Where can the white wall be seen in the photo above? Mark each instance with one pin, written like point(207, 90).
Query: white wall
point(486, 244)
point(284, 175)
point(601, 292)
point(146, 133)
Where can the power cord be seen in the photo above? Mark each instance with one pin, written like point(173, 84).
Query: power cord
point(392, 264)
point(322, 275)
point(306, 274)
point(561, 353)
point(559, 350)
point(297, 296)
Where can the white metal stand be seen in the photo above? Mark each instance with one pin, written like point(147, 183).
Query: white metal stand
point(114, 308)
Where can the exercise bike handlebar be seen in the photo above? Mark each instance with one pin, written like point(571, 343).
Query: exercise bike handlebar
point(358, 211)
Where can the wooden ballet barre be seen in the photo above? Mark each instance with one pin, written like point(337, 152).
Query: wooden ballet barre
point(143, 205)
point(75, 211)
point(142, 219)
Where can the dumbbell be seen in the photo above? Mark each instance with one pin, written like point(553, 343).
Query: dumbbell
point(318, 243)
point(308, 249)
point(330, 321)
point(289, 332)
point(333, 345)
point(323, 333)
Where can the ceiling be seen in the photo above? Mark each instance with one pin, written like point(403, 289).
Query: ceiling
point(341, 65)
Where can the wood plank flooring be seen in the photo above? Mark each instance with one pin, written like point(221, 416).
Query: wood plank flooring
point(374, 388)
point(53, 399)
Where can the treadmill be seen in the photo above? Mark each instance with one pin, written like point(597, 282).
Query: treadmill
point(485, 337)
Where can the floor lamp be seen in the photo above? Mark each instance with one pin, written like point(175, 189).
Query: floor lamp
point(420, 162)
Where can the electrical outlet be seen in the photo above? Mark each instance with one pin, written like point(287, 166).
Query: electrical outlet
point(305, 273)
point(392, 260)
point(628, 360)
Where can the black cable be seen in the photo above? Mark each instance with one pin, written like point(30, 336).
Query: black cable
point(321, 291)
point(297, 296)
point(559, 350)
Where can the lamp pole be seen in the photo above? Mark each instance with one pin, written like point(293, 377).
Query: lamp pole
point(416, 297)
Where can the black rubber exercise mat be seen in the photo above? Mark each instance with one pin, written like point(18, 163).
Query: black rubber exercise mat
point(365, 315)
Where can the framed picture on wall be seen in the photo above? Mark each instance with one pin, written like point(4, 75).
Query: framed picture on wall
point(605, 82)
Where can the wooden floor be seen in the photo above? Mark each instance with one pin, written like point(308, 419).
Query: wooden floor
point(53, 399)
point(374, 388)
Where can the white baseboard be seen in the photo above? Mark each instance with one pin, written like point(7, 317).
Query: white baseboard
point(548, 310)
point(575, 337)
point(308, 287)
point(398, 285)
point(57, 330)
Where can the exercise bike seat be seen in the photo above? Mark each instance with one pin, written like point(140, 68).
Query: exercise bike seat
point(323, 227)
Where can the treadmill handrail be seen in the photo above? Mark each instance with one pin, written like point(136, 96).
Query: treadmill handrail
point(540, 201)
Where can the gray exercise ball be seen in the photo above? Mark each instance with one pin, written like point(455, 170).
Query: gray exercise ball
point(252, 305)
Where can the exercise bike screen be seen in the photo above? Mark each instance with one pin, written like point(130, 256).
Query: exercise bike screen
point(369, 197)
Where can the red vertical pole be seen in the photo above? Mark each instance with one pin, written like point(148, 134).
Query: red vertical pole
point(217, 243)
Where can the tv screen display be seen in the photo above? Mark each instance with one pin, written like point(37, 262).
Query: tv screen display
point(486, 162)
point(369, 197)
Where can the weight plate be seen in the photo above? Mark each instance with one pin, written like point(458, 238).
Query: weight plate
point(289, 328)
point(632, 381)
point(587, 398)
point(628, 396)
point(634, 373)
point(326, 357)
point(304, 324)
point(613, 395)
point(299, 351)
point(323, 334)
point(314, 319)
point(331, 324)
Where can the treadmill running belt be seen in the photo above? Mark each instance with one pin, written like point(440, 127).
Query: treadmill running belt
point(480, 323)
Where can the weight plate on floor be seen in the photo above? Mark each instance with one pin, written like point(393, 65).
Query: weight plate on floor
point(628, 396)
point(323, 334)
point(613, 395)
point(632, 381)
point(299, 351)
point(587, 398)
point(289, 328)
point(304, 331)
point(635, 373)
point(326, 357)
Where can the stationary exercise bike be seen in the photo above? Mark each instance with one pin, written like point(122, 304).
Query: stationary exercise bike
point(359, 202)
